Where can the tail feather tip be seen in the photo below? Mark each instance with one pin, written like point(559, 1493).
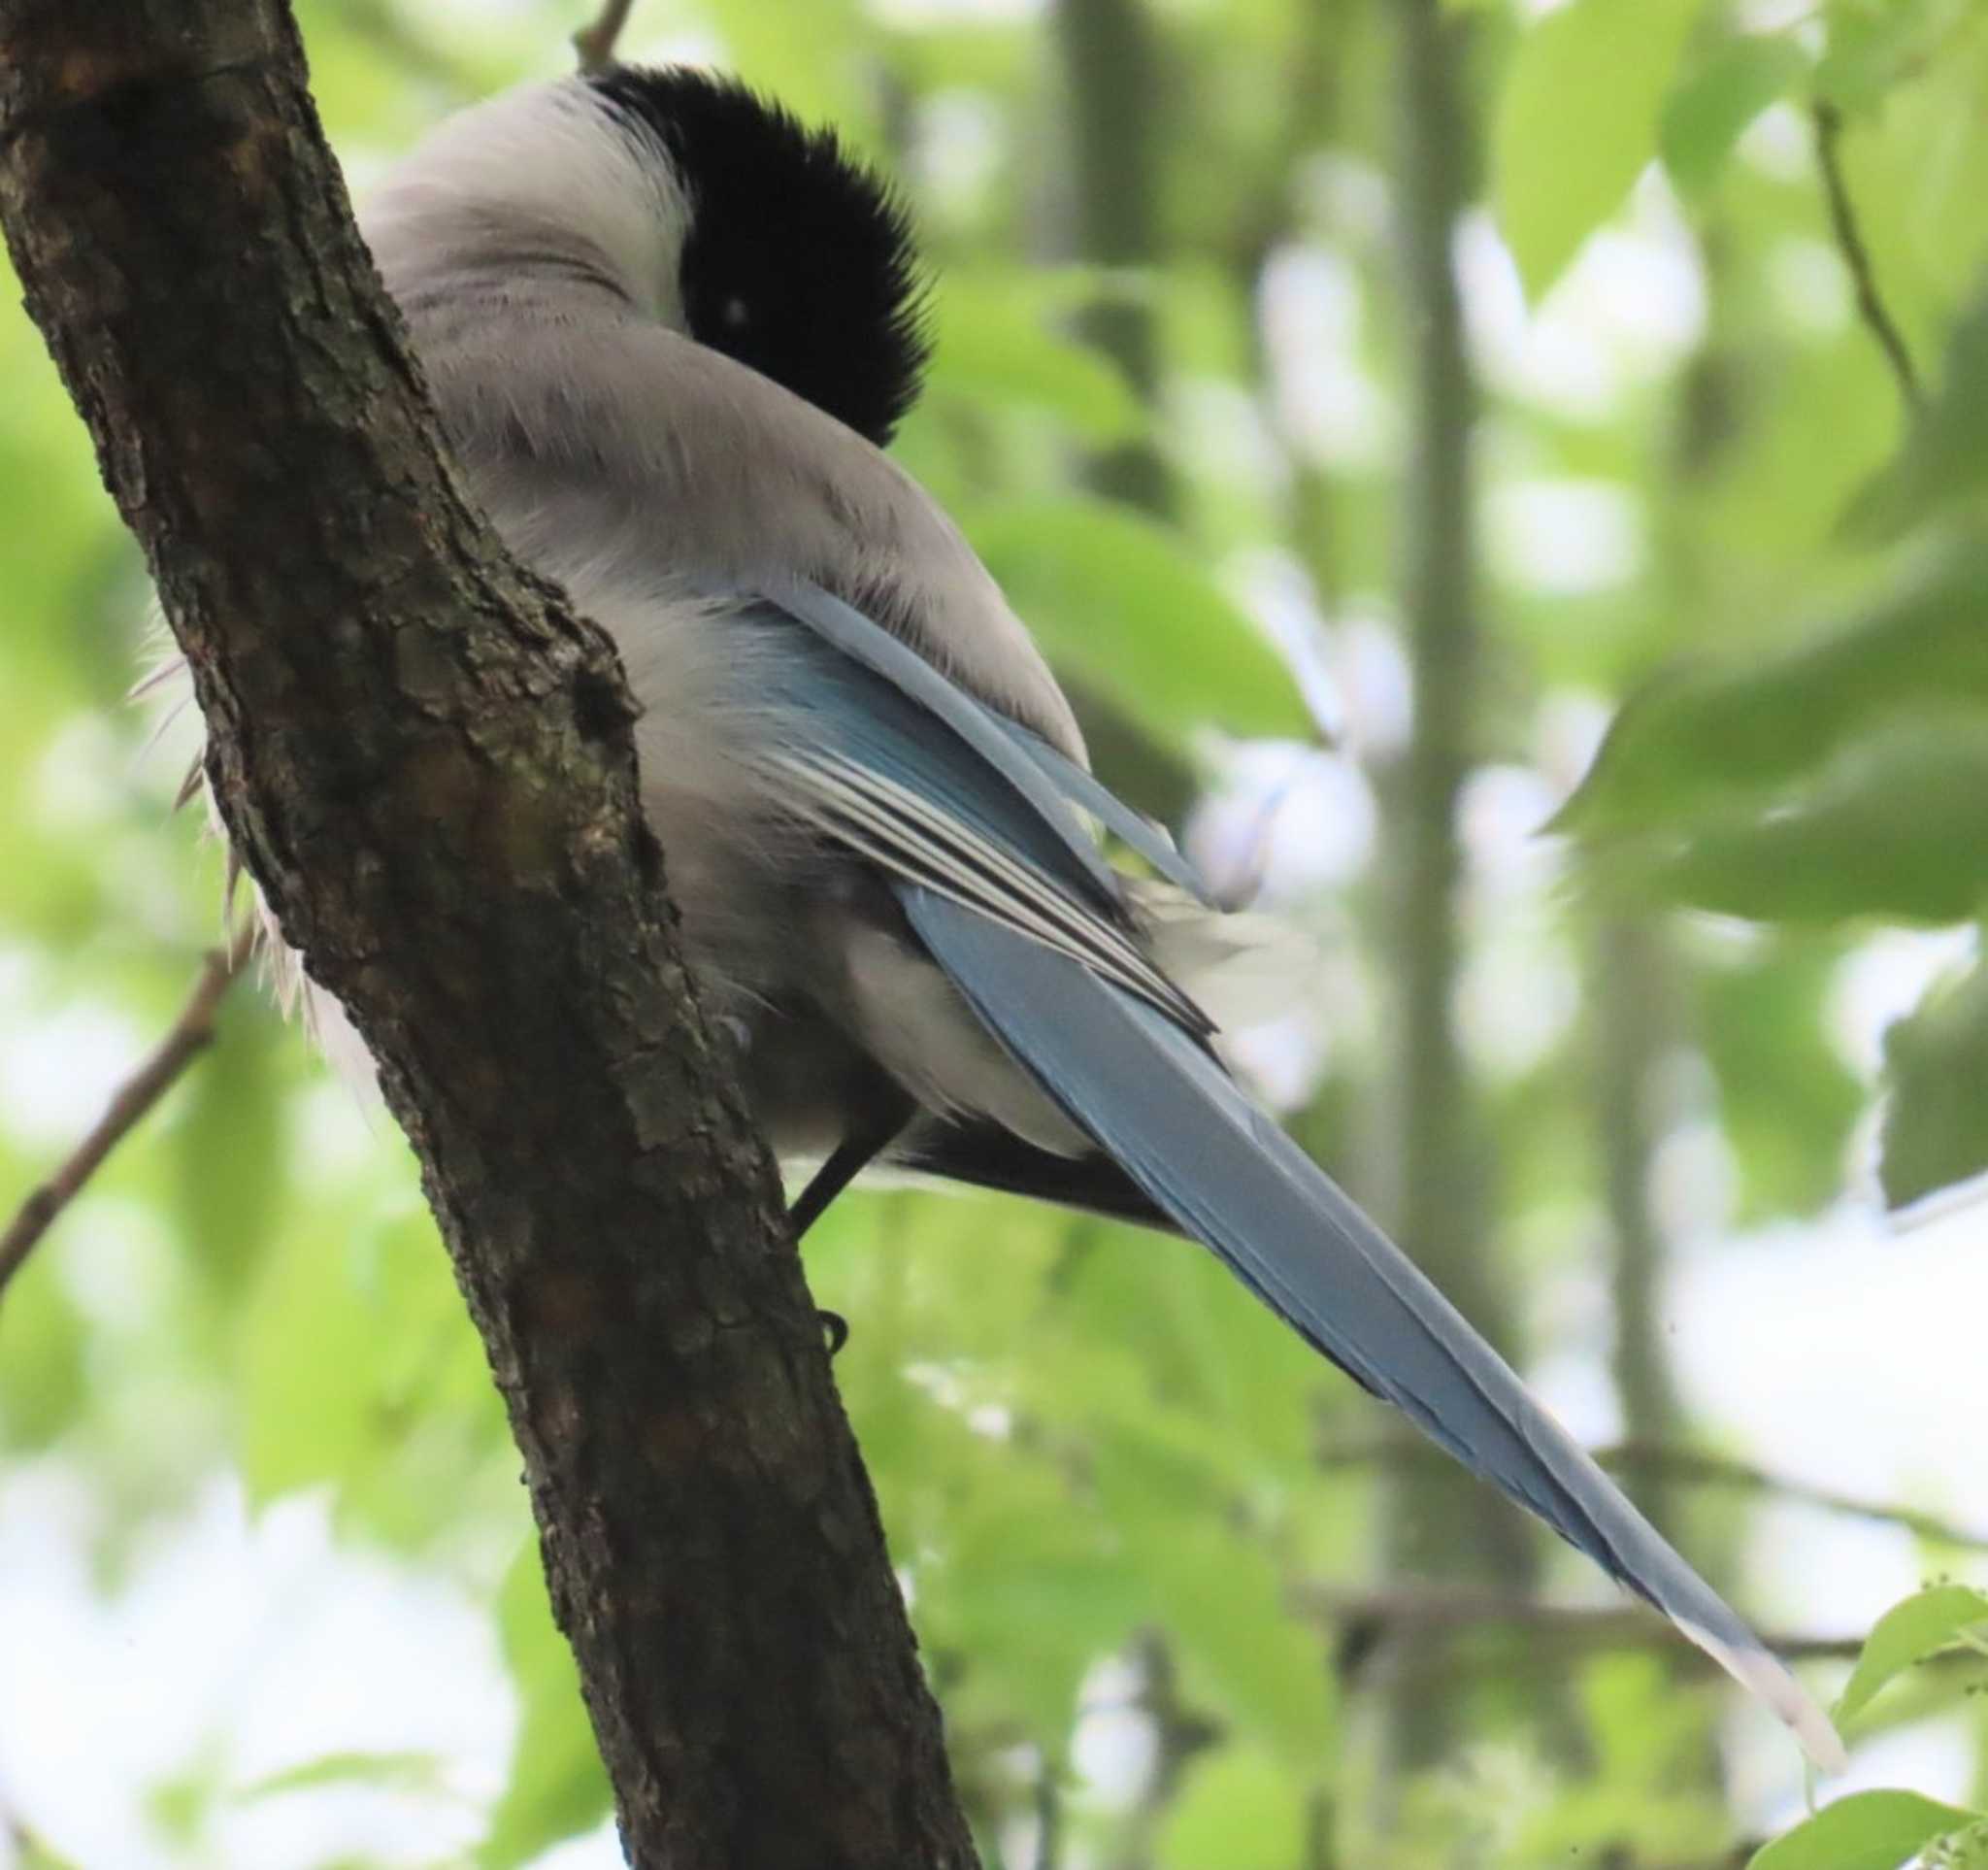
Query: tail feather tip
point(1762, 1674)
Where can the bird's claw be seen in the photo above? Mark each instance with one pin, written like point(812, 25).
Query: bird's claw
point(835, 1329)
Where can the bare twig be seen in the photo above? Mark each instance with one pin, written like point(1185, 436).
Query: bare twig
point(190, 1034)
point(1849, 239)
point(595, 44)
point(1695, 1468)
point(1362, 1616)
point(1691, 1467)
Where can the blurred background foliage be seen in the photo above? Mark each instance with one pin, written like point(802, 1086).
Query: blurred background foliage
point(1361, 398)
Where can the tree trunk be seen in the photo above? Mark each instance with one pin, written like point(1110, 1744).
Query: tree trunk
point(1440, 1521)
point(426, 762)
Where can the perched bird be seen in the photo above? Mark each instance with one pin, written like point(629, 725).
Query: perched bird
point(671, 331)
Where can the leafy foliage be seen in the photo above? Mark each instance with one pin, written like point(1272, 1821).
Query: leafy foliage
point(1705, 498)
point(1866, 1831)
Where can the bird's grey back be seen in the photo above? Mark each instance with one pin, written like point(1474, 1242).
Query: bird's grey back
point(617, 454)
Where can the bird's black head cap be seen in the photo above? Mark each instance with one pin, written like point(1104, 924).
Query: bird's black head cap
point(799, 260)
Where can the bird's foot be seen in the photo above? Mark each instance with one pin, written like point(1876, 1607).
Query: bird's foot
point(835, 1329)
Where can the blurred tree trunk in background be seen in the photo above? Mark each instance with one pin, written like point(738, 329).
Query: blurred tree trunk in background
point(1633, 991)
point(1110, 85)
point(1440, 1520)
point(1111, 63)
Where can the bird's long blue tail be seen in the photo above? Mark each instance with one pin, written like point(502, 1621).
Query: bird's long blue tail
point(1155, 1101)
point(977, 827)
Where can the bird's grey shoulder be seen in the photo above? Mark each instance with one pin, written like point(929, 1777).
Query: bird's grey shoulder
point(707, 471)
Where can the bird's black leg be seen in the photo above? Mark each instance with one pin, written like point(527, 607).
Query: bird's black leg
point(880, 1126)
point(877, 1130)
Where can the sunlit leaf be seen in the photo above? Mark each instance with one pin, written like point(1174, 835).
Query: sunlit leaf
point(1895, 828)
point(1578, 122)
point(558, 1787)
point(34, 1854)
point(403, 1772)
point(996, 349)
point(1787, 1099)
point(1239, 1809)
point(1712, 104)
point(41, 1374)
point(1936, 1117)
point(1874, 44)
point(311, 1342)
point(1945, 456)
point(1908, 1633)
point(234, 1116)
point(1866, 1831)
point(1221, 1600)
point(1118, 599)
point(1698, 739)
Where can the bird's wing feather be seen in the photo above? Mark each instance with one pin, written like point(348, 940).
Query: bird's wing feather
point(1137, 832)
point(924, 782)
point(989, 881)
point(996, 742)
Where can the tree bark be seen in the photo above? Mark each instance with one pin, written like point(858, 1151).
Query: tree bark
point(426, 762)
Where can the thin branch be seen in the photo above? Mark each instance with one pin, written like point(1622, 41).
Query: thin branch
point(190, 1034)
point(1691, 1467)
point(596, 43)
point(1694, 1467)
point(1849, 239)
point(1366, 1614)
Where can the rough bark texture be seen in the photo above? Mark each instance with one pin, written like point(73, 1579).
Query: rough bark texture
point(426, 762)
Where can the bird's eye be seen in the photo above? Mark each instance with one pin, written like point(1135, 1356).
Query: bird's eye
point(736, 314)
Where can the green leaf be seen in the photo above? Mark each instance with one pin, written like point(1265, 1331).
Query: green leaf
point(1710, 109)
point(1240, 1809)
point(558, 1787)
point(1866, 1831)
point(32, 1853)
point(1221, 1599)
point(1118, 600)
point(1896, 828)
point(1578, 122)
point(399, 1771)
point(1692, 739)
point(1935, 1119)
point(1908, 1633)
point(1787, 1100)
point(1944, 459)
point(230, 1147)
point(1873, 45)
point(309, 1339)
point(1964, 1851)
point(800, 52)
point(995, 348)
point(43, 1381)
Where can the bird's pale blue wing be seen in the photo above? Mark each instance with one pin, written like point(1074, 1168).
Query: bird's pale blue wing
point(897, 762)
point(1067, 784)
point(1136, 831)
